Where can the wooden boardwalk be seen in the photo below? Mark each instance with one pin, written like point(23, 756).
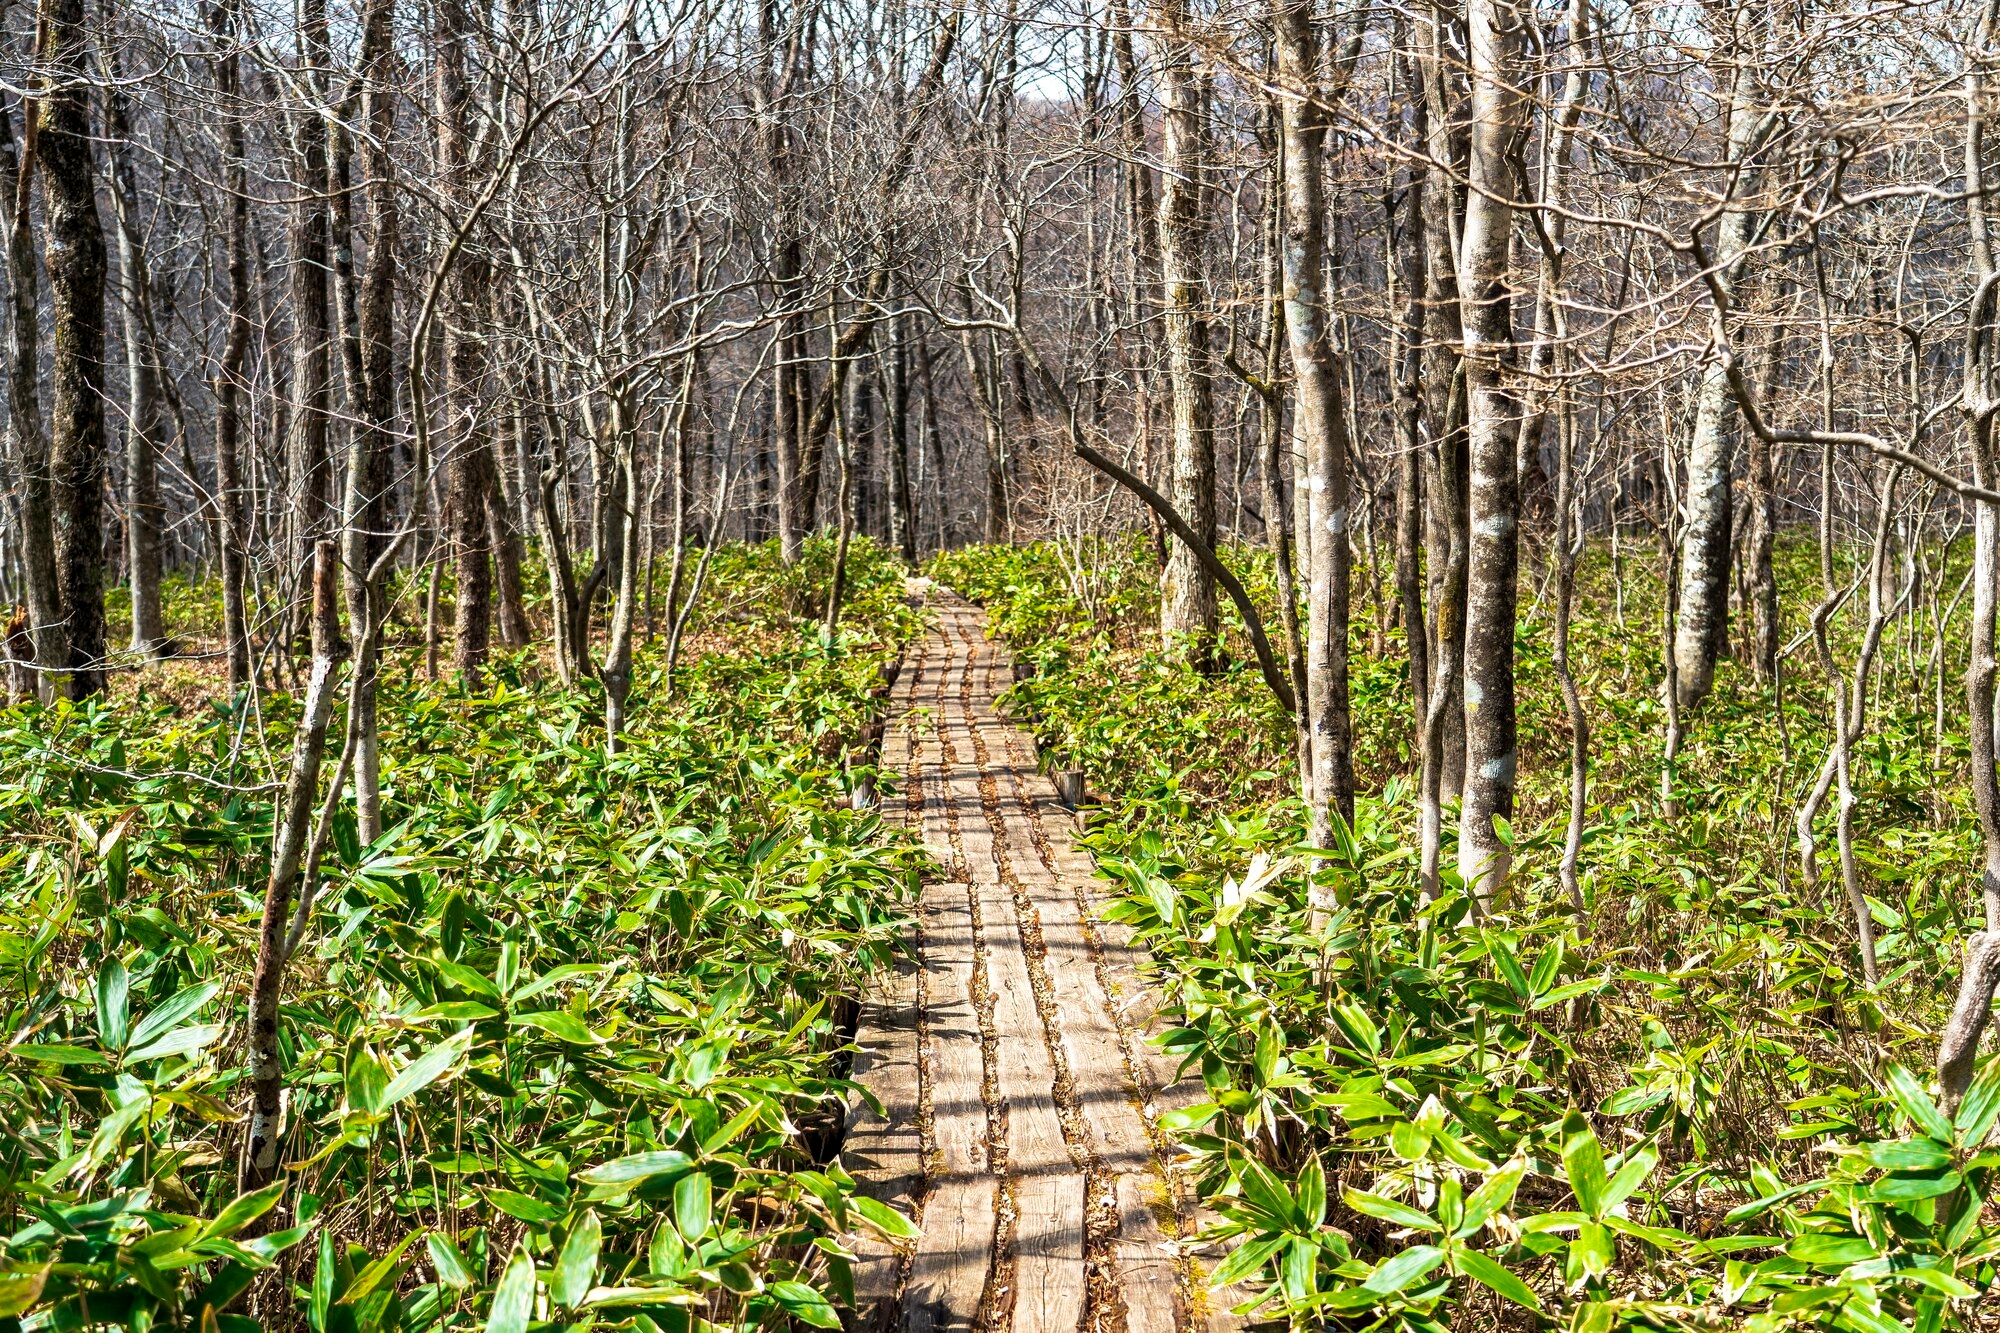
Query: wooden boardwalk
point(1018, 1091)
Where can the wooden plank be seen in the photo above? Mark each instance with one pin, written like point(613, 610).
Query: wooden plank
point(948, 1275)
point(957, 1083)
point(1048, 1252)
point(1048, 1241)
point(1082, 1013)
point(1144, 1257)
point(882, 1149)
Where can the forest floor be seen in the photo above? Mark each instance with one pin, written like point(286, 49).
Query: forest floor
point(1018, 1088)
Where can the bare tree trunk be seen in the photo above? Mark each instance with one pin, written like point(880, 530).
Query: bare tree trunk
point(1766, 628)
point(230, 365)
point(74, 256)
point(1498, 112)
point(1702, 631)
point(617, 670)
point(288, 848)
point(309, 465)
point(143, 511)
point(1187, 606)
point(1278, 516)
point(1406, 329)
point(1443, 125)
point(895, 373)
point(1958, 1048)
point(1322, 421)
point(24, 418)
point(371, 375)
point(469, 466)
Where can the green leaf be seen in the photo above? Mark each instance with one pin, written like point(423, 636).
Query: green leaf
point(1583, 1163)
point(693, 1205)
point(450, 1265)
point(181, 1041)
point(114, 986)
point(1508, 966)
point(1262, 1191)
point(638, 1168)
point(514, 1298)
point(243, 1210)
point(559, 1023)
point(466, 1011)
point(1818, 1249)
point(1632, 1173)
point(1489, 1273)
point(57, 1054)
point(883, 1218)
point(1981, 1105)
point(425, 1069)
point(805, 1304)
point(576, 1267)
point(1901, 1189)
point(1405, 1268)
point(463, 977)
point(183, 1003)
point(1359, 1028)
point(378, 1275)
point(529, 1210)
point(325, 1285)
point(1916, 1103)
point(1492, 1196)
point(1312, 1194)
point(1909, 1155)
point(20, 1288)
point(1375, 1205)
point(366, 1080)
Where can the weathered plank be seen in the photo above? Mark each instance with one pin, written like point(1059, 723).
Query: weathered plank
point(948, 1275)
point(882, 1149)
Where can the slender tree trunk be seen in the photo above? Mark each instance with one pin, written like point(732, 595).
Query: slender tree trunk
point(1766, 628)
point(288, 849)
point(24, 418)
point(1187, 607)
point(74, 256)
point(1406, 367)
point(230, 522)
point(309, 463)
point(144, 513)
point(371, 377)
point(1498, 113)
point(895, 369)
point(468, 471)
point(1958, 1048)
point(1702, 632)
point(1443, 126)
point(1278, 516)
point(1321, 418)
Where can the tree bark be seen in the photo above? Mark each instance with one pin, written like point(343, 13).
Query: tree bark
point(75, 259)
point(288, 848)
point(1321, 417)
point(468, 470)
point(371, 376)
point(24, 417)
point(1702, 631)
point(309, 466)
point(1406, 274)
point(1187, 604)
point(1445, 136)
point(143, 511)
point(1498, 113)
point(229, 370)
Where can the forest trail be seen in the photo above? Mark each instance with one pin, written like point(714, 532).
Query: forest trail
point(1010, 1055)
